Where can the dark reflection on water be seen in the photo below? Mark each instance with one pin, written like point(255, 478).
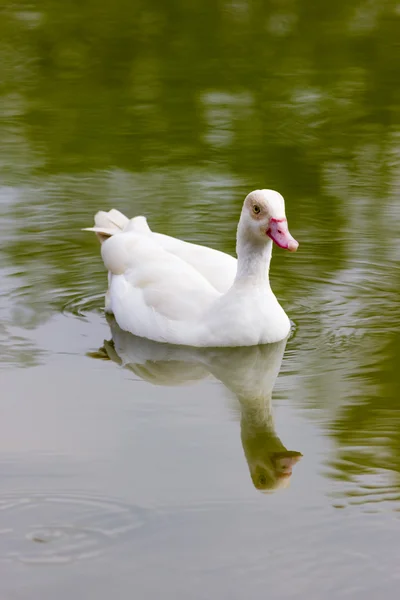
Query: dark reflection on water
point(249, 373)
point(176, 110)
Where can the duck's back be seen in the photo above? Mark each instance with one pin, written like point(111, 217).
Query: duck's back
point(217, 267)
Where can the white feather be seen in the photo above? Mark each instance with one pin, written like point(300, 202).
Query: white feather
point(170, 291)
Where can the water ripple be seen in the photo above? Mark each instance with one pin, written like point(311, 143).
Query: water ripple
point(80, 306)
point(340, 311)
point(60, 528)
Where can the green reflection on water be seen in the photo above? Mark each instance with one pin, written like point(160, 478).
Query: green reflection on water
point(176, 110)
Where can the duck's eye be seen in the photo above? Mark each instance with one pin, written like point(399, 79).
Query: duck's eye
point(256, 209)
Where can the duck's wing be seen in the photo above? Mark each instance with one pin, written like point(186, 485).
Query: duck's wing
point(152, 292)
point(217, 267)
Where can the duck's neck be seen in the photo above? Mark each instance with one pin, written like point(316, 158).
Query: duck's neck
point(257, 412)
point(257, 422)
point(254, 258)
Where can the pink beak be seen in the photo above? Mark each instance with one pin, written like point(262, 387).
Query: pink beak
point(279, 233)
point(284, 463)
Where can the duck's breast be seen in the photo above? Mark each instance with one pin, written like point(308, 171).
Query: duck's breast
point(243, 318)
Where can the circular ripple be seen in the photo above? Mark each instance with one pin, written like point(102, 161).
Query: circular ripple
point(40, 528)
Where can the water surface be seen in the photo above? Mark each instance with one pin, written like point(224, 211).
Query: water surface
point(132, 470)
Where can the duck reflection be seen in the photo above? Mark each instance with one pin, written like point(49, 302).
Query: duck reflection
point(249, 373)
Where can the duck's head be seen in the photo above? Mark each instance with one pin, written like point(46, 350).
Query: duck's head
point(263, 216)
point(274, 471)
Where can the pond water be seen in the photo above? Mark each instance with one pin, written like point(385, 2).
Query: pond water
point(134, 470)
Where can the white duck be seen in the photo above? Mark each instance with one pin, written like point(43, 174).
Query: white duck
point(172, 291)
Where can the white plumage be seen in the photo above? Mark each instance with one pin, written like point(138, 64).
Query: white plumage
point(172, 291)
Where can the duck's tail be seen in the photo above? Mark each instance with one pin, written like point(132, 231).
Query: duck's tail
point(107, 224)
